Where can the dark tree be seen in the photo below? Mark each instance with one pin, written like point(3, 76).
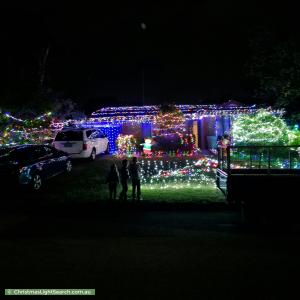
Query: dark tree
point(275, 68)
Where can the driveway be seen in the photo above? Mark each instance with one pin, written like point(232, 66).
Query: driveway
point(134, 253)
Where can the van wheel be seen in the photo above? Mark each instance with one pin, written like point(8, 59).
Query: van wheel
point(93, 155)
point(107, 149)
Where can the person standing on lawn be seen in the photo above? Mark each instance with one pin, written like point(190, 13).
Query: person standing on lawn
point(225, 144)
point(135, 174)
point(124, 175)
point(226, 140)
point(113, 181)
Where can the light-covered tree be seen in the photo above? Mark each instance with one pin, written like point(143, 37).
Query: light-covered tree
point(170, 119)
point(262, 129)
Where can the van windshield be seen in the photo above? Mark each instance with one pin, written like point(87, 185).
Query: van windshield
point(72, 135)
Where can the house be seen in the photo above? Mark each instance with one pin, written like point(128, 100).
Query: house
point(205, 122)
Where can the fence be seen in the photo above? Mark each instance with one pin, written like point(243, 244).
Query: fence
point(269, 158)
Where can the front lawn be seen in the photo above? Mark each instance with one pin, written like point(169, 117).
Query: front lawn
point(172, 180)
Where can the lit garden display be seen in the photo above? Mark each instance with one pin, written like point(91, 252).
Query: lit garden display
point(178, 173)
point(170, 133)
point(25, 131)
point(172, 130)
point(147, 147)
point(126, 145)
point(258, 131)
point(168, 119)
point(173, 144)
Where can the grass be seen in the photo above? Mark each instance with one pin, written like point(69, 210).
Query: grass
point(87, 184)
point(204, 194)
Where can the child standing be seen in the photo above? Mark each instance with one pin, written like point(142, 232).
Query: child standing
point(113, 181)
point(135, 174)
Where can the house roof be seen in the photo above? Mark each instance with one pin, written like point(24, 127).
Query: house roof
point(147, 113)
point(141, 110)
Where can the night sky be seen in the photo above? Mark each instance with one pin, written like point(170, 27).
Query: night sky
point(189, 52)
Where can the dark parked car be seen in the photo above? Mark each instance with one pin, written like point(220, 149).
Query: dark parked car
point(30, 165)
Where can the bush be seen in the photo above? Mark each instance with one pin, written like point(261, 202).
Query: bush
point(261, 129)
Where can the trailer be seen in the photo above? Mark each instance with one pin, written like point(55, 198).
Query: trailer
point(263, 181)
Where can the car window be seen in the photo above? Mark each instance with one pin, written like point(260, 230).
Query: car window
point(38, 152)
point(89, 133)
point(5, 151)
point(49, 151)
point(70, 135)
point(95, 134)
point(24, 154)
point(101, 134)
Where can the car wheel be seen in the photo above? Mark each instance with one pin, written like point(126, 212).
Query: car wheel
point(69, 166)
point(93, 155)
point(36, 182)
point(107, 149)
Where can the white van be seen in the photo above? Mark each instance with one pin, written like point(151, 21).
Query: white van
point(81, 143)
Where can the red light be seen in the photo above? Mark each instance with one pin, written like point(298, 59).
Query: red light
point(84, 147)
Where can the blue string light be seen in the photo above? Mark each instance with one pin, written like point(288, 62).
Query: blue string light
point(111, 131)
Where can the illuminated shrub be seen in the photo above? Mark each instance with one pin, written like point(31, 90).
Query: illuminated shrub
point(126, 144)
point(263, 128)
